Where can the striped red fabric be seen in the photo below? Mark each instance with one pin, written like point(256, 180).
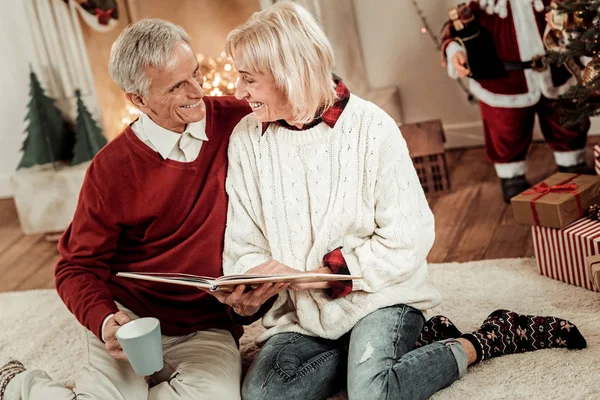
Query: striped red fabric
point(597, 158)
point(561, 253)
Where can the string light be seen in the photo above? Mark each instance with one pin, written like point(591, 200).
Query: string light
point(130, 114)
point(219, 74)
point(425, 24)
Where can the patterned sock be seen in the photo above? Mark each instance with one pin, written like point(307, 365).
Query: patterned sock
point(506, 332)
point(7, 372)
point(437, 328)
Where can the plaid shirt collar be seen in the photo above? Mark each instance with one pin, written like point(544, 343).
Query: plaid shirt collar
point(330, 116)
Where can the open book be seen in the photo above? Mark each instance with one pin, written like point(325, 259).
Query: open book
point(228, 283)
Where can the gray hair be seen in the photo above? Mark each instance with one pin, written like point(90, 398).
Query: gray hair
point(146, 43)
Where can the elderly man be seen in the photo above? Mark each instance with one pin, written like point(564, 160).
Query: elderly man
point(153, 200)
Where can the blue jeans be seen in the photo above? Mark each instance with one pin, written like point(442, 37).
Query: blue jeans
point(374, 361)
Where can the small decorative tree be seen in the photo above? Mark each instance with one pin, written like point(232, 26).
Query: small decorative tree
point(89, 139)
point(46, 198)
point(48, 138)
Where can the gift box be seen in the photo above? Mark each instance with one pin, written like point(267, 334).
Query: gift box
point(593, 265)
point(557, 201)
point(562, 254)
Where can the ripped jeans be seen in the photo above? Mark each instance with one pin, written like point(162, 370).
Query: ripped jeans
point(373, 361)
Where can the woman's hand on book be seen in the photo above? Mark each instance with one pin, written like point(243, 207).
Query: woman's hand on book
point(247, 303)
point(274, 267)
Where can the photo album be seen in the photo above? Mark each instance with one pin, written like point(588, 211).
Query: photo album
point(229, 282)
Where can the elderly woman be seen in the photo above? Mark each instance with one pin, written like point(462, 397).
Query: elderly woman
point(321, 180)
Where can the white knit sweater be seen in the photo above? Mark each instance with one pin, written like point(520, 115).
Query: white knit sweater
point(296, 195)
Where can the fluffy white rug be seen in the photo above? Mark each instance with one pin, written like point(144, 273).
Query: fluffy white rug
point(36, 328)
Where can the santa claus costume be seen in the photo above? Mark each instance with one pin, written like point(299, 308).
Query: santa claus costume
point(528, 87)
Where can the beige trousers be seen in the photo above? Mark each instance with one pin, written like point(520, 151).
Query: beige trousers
point(202, 365)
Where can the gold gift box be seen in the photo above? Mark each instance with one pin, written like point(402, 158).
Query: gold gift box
point(553, 203)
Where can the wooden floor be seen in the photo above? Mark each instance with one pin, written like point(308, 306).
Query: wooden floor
point(472, 223)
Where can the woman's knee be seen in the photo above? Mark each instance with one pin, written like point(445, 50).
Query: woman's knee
point(289, 377)
point(266, 385)
point(382, 385)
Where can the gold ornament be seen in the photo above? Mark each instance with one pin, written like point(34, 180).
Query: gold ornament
point(582, 19)
point(578, 18)
point(591, 72)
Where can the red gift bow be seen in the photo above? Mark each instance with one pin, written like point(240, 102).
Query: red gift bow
point(104, 15)
point(543, 189)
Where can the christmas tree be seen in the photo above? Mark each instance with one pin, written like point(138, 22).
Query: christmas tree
point(89, 138)
point(577, 42)
point(48, 138)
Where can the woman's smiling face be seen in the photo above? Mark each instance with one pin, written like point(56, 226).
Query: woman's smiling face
point(259, 89)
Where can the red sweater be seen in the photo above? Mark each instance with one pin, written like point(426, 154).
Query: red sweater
point(140, 213)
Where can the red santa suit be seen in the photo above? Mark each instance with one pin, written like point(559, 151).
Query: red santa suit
point(509, 103)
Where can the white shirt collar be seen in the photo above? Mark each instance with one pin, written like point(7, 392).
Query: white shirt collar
point(165, 140)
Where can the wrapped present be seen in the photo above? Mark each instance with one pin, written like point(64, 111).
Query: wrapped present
point(597, 158)
point(557, 201)
point(562, 253)
point(593, 264)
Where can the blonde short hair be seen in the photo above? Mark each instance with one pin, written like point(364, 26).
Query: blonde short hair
point(285, 40)
point(146, 43)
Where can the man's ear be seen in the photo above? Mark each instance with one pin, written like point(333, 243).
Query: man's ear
point(137, 101)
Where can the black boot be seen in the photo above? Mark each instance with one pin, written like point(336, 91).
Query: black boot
point(582, 168)
point(513, 186)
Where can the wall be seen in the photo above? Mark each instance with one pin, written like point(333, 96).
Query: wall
point(398, 53)
point(110, 97)
point(208, 22)
point(16, 48)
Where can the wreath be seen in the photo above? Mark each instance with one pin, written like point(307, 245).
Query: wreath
point(103, 10)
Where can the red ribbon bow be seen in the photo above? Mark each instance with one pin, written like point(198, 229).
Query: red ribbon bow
point(543, 189)
point(104, 15)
